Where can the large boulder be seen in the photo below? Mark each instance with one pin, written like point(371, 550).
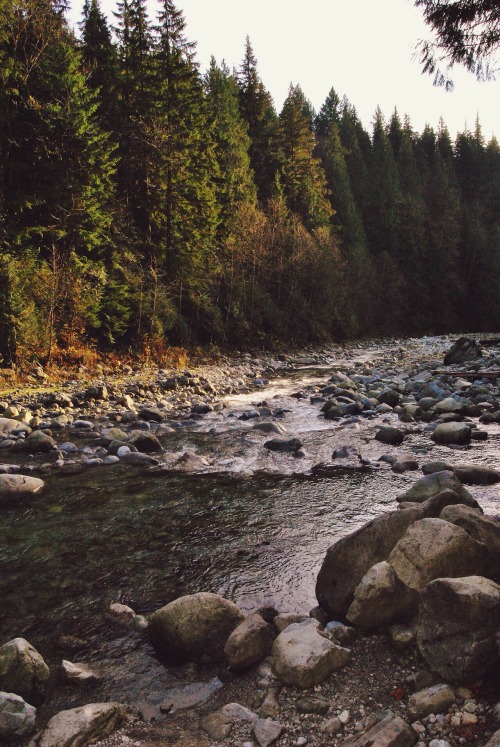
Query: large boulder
point(23, 671)
point(481, 528)
point(451, 433)
point(430, 485)
point(194, 627)
point(463, 350)
point(458, 620)
point(81, 727)
point(18, 486)
point(302, 657)
point(347, 561)
point(37, 442)
point(433, 548)
point(390, 435)
point(381, 598)
point(9, 425)
point(474, 474)
point(17, 718)
point(249, 642)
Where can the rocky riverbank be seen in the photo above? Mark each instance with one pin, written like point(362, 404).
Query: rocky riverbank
point(400, 581)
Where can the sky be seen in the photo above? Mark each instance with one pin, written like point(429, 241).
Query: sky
point(362, 48)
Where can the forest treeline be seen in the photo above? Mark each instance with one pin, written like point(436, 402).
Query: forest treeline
point(143, 203)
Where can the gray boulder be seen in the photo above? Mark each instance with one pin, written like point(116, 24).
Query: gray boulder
point(381, 598)
point(23, 671)
point(430, 485)
point(473, 474)
point(16, 486)
point(37, 442)
point(457, 623)
point(81, 727)
point(451, 433)
point(389, 435)
point(433, 548)
point(9, 425)
point(151, 413)
point(494, 741)
point(194, 627)
point(481, 528)
point(17, 718)
point(302, 657)
point(249, 642)
point(284, 444)
point(463, 350)
point(145, 442)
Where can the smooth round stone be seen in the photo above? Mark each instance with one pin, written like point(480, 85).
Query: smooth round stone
point(19, 485)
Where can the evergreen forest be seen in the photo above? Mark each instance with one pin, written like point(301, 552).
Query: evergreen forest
point(145, 204)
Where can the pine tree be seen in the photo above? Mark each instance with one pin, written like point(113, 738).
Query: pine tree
point(100, 60)
point(258, 111)
point(300, 174)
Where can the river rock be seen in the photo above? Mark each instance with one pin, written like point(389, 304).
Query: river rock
point(249, 642)
point(137, 458)
point(389, 435)
point(266, 731)
point(388, 731)
point(114, 434)
point(9, 425)
point(145, 442)
point(18, 486)
point(481, 528)
point(151, 413)
point(217, 725)
point(269, 427)
point(404, 463)
point(473, 474)
point(78, 673)
point(430, 485)
point(194, 627)
point(389, 397)
point(451, 433)
point(457, 623)
point(381, 598)
point(304, 658)
point(284, 619)
point(284, 444)
point(463, 350)
point(433, 548)
point(23, 671)
point(81, 727)
point(17, 718)
point(36, 442)
point(348, 560)
point(494, 741)
point(435, 699)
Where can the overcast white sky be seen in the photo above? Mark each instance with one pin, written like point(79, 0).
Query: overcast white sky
point(363, 48)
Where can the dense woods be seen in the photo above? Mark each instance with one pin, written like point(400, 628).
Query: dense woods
point(143, 203)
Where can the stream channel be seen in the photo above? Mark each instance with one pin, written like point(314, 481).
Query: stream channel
point(254, 528)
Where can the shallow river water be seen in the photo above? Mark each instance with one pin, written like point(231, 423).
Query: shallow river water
point(114, 534)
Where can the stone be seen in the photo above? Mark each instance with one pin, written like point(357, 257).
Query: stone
point(23, 671)
point(217, 725)
point(389, 435)
point(97, 392)
point(284, 619)
point(303, 658)
point(348, 560)
point(381, 598)
point(312, 704)
point(237, 712)
point(78, 673)
point(195, 627)
point(9, 426)
point(17, 718)
point(457, 623)
point(121, 614)
point(151, 413)
point(269, 427)
point(433, 548)
point(331, 726)
point(473, 474)
point(249, 642)
point(463, 350)
point(344, 717)
point(145, 442)
point(389, 731)
point(137, 458)
point(17, 486)
point(494, 741)
point(451, 433)
point(430, 485)
point(404, 464)
point(191, 462)
point(435, 699)
point(113, 434)
point(284, 444)
point(402, 636)
point(389, 397)
point(482, 528)
point(270, 705)
point(81, 727)
point(267, 731)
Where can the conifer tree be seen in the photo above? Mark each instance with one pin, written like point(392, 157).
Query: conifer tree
point(100, 60)
point(301, 176)
point(258, 111)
